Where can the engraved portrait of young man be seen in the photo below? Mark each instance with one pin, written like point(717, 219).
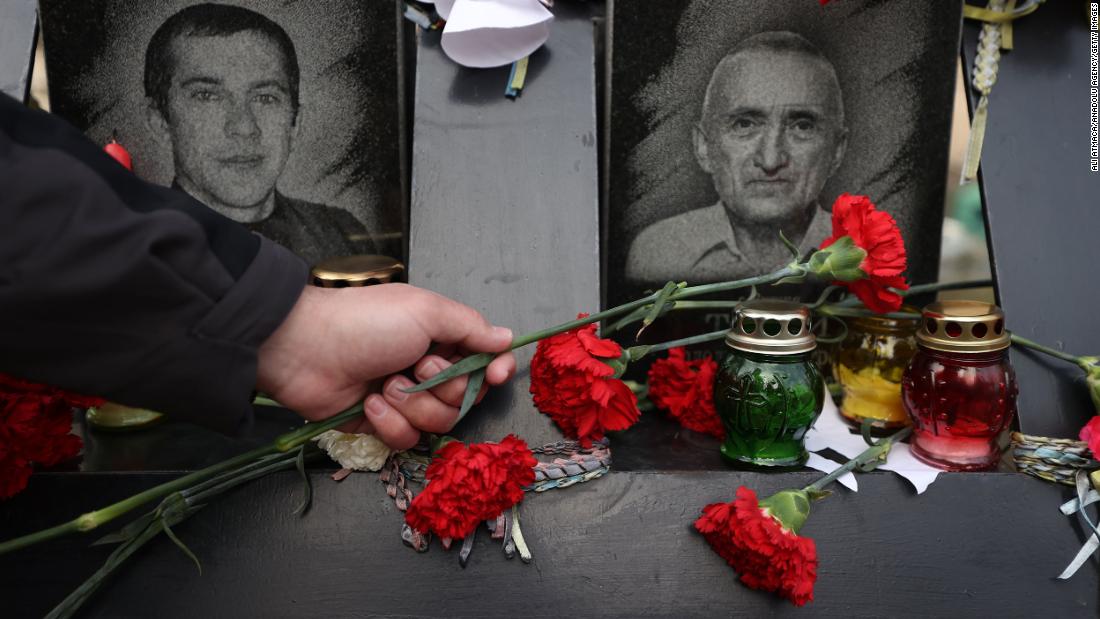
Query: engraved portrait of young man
point(222, 89)
point(283, 116)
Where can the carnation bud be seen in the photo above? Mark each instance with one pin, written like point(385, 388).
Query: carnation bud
point(839, 261)
point(789, 507)
point(1092, 379)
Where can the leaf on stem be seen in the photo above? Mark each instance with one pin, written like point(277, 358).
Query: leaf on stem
point(633, 316)
point(634, 353)
point(307, 499)
point(465, 366)
point(178, 542)
point(659, 307)
point(865, 430)
point(797, 277)
point(473, 386)
point(128, 532)
point(790, 246)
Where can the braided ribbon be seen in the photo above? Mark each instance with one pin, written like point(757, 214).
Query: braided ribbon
point(1085, 497)
point(573, 464)
point(986, 63)
point(579, 464)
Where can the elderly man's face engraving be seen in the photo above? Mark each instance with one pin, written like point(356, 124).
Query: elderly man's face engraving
point(230, 118)
point(771, 134)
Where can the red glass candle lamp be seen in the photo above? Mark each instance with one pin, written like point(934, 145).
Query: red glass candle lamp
point(959, 389)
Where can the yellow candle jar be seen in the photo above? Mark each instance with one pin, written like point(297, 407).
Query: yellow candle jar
point(869, 368)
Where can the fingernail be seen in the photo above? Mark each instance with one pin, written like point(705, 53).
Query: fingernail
point(429, 369)
point(503, 332)
point(395, 389)
point(375, 407)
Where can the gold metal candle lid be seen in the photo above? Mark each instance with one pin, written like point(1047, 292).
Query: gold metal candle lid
point(963, 326)
point(772, 327)
point(352, 271)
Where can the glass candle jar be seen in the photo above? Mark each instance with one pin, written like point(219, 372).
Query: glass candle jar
point(869, 367)
point(768, 392)
point(960, 390)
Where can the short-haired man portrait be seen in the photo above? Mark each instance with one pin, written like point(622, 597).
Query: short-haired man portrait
point(222, 90)
point(770, 135)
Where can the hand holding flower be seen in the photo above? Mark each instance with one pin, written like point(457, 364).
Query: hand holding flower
point(335, 341)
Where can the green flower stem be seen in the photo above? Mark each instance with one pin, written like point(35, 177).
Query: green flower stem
point(1083, 362)
point(685, 293)
point(637, 352)
point(174, 509)
point(196, 495)
point(875, 452)
point(639, 313)
point(480, 360)
point(853, 301)
point(94, 519)
point(847, 307)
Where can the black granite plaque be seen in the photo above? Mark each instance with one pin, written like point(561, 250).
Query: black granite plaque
point(731, 121)
point(281, 115)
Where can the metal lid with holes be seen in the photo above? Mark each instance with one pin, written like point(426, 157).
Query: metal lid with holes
point(354, 271)
point(963, 326)
point(772, 327)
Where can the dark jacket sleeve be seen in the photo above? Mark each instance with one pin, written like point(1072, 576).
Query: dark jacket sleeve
point(115, 287)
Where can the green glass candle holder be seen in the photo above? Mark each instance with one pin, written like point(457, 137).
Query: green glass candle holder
point(768, 392)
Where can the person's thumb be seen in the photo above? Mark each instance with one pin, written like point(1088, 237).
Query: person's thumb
point(449, 322)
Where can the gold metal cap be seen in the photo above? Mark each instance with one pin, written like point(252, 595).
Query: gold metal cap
point(353, 271)
point(772, 327)
point(963, 326)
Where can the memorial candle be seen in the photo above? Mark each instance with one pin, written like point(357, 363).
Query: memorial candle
point(768, 392)
point(960, 390)
point(870, 364)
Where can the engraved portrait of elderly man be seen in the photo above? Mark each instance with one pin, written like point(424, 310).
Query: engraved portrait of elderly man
point(222, 90)
point(770, 134)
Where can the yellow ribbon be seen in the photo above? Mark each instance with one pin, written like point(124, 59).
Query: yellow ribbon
point(997, 17)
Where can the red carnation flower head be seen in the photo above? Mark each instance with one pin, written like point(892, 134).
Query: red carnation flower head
point(866, 253)
point(469, 484)
point(35, 427)
point(573, 383)
point(1090, 433)
point(759, 539)
point(685, 389)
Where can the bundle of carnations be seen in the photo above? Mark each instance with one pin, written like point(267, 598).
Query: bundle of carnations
point(577, 381)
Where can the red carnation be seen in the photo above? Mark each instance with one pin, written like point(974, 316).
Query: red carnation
point(686, 390)
point(469, 484)
point(35, 425)
point(752, 537)
point(877, 234)
point(571, 383)
point(1091, 435)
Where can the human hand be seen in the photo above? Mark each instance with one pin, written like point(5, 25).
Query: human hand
point(335, 342)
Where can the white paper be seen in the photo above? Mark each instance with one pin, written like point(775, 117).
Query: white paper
point(825, 465)
point(831, 432)
point(492, 33)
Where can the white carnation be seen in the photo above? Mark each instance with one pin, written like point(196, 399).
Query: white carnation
point(359, 452)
